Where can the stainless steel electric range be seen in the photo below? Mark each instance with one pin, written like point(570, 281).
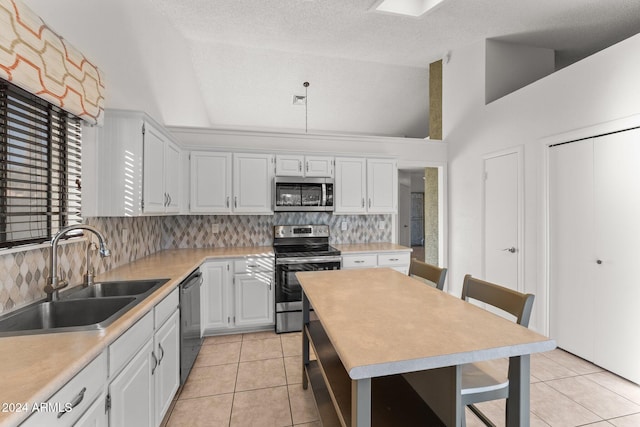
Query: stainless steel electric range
point(298, 248)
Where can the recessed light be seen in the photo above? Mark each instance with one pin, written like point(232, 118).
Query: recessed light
point(413, 8)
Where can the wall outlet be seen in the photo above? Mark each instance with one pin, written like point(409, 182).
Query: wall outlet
point(215, 228)
point(344, 226)
point(125, 235)
point(381, 225)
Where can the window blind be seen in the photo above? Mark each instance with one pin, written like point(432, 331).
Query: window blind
point(40, 168)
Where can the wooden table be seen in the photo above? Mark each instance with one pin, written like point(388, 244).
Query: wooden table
point(370, 325)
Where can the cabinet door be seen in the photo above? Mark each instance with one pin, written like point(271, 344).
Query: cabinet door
point(252, 182)
point(132, 400)
point(254, 299)
point(350, 185)
point(289, 165)
point(172, 177)
point(210, 182)
point(617, 209)
point(167, 373)
point(318, 166)
point(382, 185)
point(96, 415)
point(215, 295)
point(153, 170)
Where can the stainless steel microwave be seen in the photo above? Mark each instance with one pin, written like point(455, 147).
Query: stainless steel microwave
point(291, 194)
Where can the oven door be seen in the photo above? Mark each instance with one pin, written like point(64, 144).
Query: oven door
point(288, 289)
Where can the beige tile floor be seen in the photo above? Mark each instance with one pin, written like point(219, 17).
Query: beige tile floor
point(253, 380)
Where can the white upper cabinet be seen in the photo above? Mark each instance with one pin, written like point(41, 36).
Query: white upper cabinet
point(366, 185)
point(351, 185)
point(210, 182)
point(231, 183)
point(161, 172)
point(299, 165)
point(252, 183)
point(131, 160)
point(382, 186)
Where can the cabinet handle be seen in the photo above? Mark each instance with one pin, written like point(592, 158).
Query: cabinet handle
point(235, 202)
point(227, 201)
point(162, 355)
point(363, 202)
point(170, 199)
point(299, 166)
point(599, 262)
point(369, 202)
point(155, 363)
point(358, 261)
point(307, 166)
point(74, 402)
point(394, 259)
point(252, 266)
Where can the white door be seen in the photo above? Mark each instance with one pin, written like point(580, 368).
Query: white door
point(617, 252)
point(404, 214)
point(571, 257)
point(318, 166)
point(502, 219)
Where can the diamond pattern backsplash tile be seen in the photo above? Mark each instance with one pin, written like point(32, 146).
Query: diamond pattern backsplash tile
point(23, 274)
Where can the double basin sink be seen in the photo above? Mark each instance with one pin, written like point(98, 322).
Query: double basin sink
point(80, 308)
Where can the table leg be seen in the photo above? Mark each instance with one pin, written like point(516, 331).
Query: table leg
point(305, 340)
point(361, 403)
point(519, 391)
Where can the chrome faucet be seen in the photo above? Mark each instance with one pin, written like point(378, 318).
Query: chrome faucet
point(54, 284)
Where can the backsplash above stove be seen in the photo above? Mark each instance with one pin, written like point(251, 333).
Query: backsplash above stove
point(23, 274)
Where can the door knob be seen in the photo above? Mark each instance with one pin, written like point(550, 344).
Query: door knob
point(511, 249)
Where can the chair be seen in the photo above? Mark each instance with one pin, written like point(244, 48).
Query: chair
point(482, 382)
point(429, 272)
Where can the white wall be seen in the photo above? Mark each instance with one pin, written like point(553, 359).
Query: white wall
point(598, 89)
point(146, 63)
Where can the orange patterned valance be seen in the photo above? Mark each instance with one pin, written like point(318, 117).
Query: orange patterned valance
point(35, 58)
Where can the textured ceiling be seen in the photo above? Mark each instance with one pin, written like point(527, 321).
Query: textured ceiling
point(349, 29)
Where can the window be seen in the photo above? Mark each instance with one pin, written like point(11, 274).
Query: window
point(40, 168)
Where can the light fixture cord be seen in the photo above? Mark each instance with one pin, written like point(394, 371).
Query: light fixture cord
point(306, 113)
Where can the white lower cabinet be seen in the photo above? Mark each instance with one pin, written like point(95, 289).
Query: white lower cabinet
point(69, 403)
point(140, 394)
point(131, 392)
point(96, 414)
point(237, 294)
point(398, 260)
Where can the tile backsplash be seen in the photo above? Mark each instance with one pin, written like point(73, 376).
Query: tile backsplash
point(23, 274)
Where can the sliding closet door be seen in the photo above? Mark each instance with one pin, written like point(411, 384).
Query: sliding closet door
point(571, 257)
point(617, 252)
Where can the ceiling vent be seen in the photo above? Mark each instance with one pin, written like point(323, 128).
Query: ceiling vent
point(413, 8)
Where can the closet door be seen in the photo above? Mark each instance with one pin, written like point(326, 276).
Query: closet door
point(571, 257)
point(617, 252)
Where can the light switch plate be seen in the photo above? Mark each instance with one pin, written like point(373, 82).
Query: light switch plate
point(215, 228)
point(343, 226)
point(381, 225)
point(125, 235)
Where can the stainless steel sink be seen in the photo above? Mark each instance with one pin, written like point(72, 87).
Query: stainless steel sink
point(80, 309)
point(59, 316)
point(115, 289)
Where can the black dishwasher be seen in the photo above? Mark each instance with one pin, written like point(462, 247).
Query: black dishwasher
point(190, 334)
